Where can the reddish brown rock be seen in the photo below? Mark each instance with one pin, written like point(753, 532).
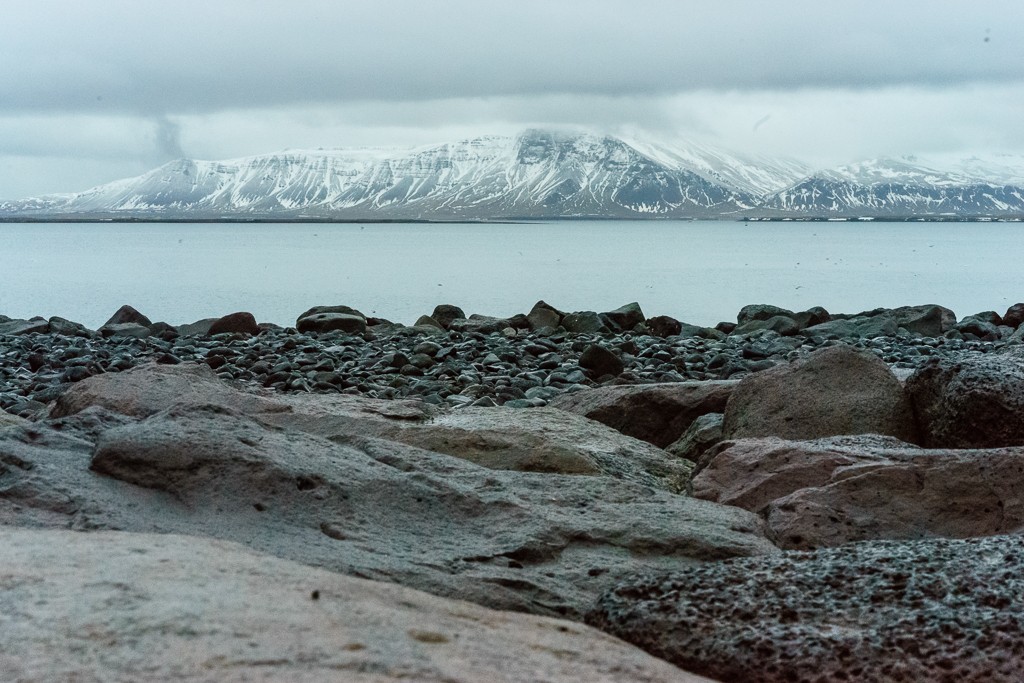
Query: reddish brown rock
point(656, 413)
point(834, 391)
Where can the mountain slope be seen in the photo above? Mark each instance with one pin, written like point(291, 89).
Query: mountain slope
point(901, 187)
point(541, 174)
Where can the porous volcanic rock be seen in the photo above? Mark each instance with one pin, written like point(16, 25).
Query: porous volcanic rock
point(117, 606)
point(656, 413)
point(970, 401)
point(828, 492)
point(892, 612)
point(833, 391)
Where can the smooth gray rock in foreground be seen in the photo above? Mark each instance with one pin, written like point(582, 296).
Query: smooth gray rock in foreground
point(867, 612)
point(373, 507)
point(115, 606)
point(833, 391)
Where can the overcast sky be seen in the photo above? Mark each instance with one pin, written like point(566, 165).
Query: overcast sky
point(94, 91)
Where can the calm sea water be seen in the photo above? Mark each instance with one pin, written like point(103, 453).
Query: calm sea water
point(699, 272)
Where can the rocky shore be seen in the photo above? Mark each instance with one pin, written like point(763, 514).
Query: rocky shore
point(447, 358)
point(557, 496)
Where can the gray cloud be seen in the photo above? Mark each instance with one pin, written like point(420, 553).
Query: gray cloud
point(96, 91)
point(168, 139)
point(196, 56)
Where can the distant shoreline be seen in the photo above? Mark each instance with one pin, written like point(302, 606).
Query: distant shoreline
point(520, 220)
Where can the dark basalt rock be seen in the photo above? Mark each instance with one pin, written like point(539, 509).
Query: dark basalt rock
point(235, 323)
point(444, 314)
point(127, 314)
point(867, 612)
point(601, 361)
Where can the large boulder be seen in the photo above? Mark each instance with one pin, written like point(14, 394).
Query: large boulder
point(835, 390)
point(703, 433)
point(625, 318)
point(883, 611)
point(147, 389)
point(444, 314)
point(832, 491)
point(117, 606)
point(601, 361)
point(127, 314)
point(241, 322)
point(970, 401)
point(331, 322)
point(352, 496)
point(866, 327)
point(537, 440)
point(929, 320)
point(16, 328)
point(583, 322)
point(656, 413)
point(664, 326)
point(1014, 316)
point(753, 312)
point(781, 324)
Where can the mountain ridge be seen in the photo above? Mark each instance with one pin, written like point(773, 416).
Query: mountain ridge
point(539, 174)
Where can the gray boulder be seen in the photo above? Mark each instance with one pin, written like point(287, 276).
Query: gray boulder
point(866, 327)
point(781, 324)
point(199, 328)
point(68, 328)
point(347, 310)
point(703, 433)
point(601, 361)
point(833, 391)
point(127, 314)
point(21, 327)
point(331, 322)
point(981, 327)
point(341, 487)
point(970, 401)
point(429, 321)
point(625, 318)
point(444, 314)
point(192, 609)
point(664, 326)
point(761, 312)
point(1014, 316)
point(881, 611)
point(126, 330)
point(583, 322)
point(815, 315)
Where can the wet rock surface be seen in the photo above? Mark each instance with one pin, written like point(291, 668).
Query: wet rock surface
point(884, 611)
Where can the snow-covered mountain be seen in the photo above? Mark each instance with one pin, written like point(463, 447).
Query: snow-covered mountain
point(909, 186)
point(539, 174)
